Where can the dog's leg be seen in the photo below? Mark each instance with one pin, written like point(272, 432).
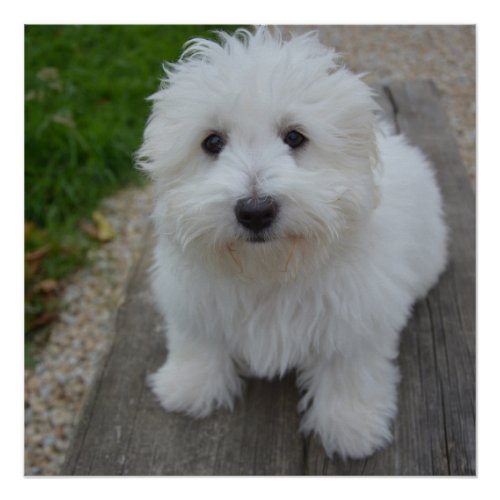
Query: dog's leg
point(197, 377)
point(350, 401)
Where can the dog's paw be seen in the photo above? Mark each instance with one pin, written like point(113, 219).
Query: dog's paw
point(193, 388)
point(348, 429)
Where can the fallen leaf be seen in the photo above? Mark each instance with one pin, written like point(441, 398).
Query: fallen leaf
point(43, 320)
point(28, 228)
point(33, 267)
point(51, 77)
point(105, 231)
point(88, 228)
point(46, 286)
point(38, 254)
point(64, 119)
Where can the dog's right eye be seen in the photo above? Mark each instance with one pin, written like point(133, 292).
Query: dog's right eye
point(213, 144)
point(294, 139)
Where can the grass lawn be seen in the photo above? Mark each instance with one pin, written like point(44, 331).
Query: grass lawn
point(85, 109)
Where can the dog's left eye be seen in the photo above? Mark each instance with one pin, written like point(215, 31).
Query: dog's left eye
point(294, 139)
point(213, 144)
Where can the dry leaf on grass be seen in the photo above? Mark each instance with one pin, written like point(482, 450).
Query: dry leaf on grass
point(89, 228)
point(38, 254)
point(43, 320)
point(46, 286)
point(104, 229)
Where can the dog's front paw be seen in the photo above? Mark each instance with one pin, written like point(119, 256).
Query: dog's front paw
point(195, 388)
point(348, 428)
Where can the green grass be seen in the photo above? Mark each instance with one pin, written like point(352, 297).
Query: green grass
point(85, 109)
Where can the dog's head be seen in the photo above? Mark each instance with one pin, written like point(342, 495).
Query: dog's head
point(262, 152)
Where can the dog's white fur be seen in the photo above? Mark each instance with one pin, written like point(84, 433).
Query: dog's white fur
point(359, 235)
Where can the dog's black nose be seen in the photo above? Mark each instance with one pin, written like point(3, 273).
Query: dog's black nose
point(256, 214)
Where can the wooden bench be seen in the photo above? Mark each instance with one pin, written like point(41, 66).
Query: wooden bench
point(123, 431)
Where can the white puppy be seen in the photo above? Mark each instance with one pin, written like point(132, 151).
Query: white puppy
point(292, 233)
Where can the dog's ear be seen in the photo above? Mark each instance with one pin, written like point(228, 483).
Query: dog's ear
point(350, 126)
point(168, 137)
point(144, 156)
point(365, 111)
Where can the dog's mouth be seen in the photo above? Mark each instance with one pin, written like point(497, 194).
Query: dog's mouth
point(258, 238)
point(286, 254)
point(267, 237)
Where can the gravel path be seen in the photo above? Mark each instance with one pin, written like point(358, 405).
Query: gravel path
point(65, 366)
point(56, 388)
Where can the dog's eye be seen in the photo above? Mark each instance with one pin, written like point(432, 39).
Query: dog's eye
point(294, 139)
point(213, 144)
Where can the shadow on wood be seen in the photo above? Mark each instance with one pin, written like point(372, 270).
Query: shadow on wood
point(123, 431)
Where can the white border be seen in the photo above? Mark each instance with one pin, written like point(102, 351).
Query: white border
point(208, 12)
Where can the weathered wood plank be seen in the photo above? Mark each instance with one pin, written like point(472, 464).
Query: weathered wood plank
point(124, 431)
point(434, 433)
point(453, 311)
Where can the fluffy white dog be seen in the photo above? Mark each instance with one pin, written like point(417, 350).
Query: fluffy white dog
point(293, 233)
